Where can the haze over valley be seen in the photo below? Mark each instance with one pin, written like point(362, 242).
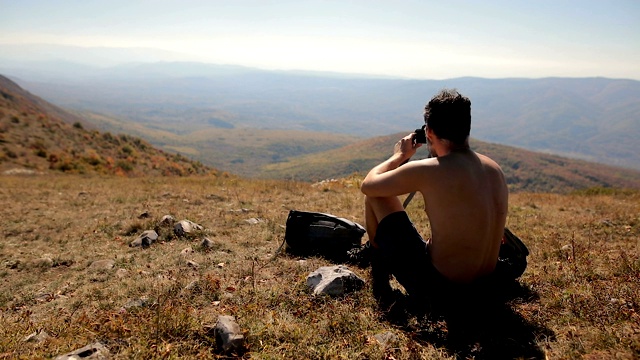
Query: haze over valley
point(189, 106)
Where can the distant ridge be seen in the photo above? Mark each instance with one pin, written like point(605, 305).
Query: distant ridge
point(38, 137)
point(525, 170)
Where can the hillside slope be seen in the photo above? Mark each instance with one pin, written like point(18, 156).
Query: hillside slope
point(525, 170)
point(594, 119)
point(36, 136)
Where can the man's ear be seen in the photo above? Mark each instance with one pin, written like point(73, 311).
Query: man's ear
point(430, 134)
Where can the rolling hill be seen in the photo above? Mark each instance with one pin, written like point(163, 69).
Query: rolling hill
point(37, 137)
point(525, 170)
point(594, 119)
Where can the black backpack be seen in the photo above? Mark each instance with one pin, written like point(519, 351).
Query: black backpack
point(313, 233)
point(512, 259)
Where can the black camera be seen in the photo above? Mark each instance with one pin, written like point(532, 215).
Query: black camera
point(420, 136)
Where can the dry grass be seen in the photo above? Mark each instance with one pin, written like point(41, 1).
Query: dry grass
point(583, 279)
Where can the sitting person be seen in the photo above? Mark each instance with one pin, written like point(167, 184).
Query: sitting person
point(465, 197)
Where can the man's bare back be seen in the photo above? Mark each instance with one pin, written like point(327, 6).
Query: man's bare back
point(467, 207)
point(465, 195)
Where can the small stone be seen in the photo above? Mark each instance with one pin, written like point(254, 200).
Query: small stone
point(186, 251)
point(167, 220)
point(102, 265)
point(228, 334)
point(37, 337)
point(186, 227)
point(11, 264)
point(122, 273)
point(333, 280)
point(144, 215)
point(44, 262)
point(193, 264)
point(95, 351)
point(137, 303)
point(386, 338)
point(145, 239)
point(253, 221)
point(207, 243)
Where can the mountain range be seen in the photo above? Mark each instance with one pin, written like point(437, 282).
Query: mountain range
point(595, 119)
point(38, 137)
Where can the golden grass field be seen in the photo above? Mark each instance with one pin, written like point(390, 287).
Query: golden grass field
point(582, 285)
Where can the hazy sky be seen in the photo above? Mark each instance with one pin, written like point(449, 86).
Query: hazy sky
point(420, 39)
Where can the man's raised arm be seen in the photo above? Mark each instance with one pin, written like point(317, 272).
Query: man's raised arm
point(389, 178)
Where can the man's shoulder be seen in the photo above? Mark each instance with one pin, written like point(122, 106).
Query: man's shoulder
point(489, 162)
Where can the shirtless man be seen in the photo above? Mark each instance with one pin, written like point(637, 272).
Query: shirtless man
point(465, 196)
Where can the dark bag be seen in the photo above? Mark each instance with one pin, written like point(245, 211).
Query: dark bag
point(512, 259)
point(314, 233)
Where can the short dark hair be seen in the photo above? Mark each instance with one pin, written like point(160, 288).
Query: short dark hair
point(448, 114)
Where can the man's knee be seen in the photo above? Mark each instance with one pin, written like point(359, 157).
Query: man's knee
point(383, 206)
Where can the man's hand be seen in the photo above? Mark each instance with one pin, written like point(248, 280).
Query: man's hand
point(386, 179)
point(405, 148)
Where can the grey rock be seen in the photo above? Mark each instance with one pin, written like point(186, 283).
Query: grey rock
point(186, 227)
point(186, 251)
point(144, 215)
point(44, 262)
point(167, 220)
point(11, 264)
point(102, 265)
point(37, 337)
point(333, 280)
point(122, 273)
point(228, 334)
point(253, 221)
point(192, 264)
point(138, 303)
point(207, 243)
point(386, 338)
point(145, 239)
point(95, 351)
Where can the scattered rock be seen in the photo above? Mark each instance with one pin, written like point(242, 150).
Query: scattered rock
point(95, 351)
point(102, 265)
point(11, 264)
point(18, 171)
point(37, 337)
point(145, 239)
point(193, 264)
point(207, 243)
point(144, 215)
point(167, 220)
point(186, 251)
point(333, 280)
point(227, 334)
point(215, 197)
point(243, 210)
point(138, 303)
point(122, 273)
point(386, 338)
point(186, 227)
point(193, 286)
point(253, 221)
point(44, 262)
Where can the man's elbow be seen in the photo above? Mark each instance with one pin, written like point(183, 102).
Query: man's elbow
point(364, 187)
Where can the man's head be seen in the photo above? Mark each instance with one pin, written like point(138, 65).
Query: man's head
point(448, 115)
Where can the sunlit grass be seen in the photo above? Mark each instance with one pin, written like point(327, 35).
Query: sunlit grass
point(584, 272)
